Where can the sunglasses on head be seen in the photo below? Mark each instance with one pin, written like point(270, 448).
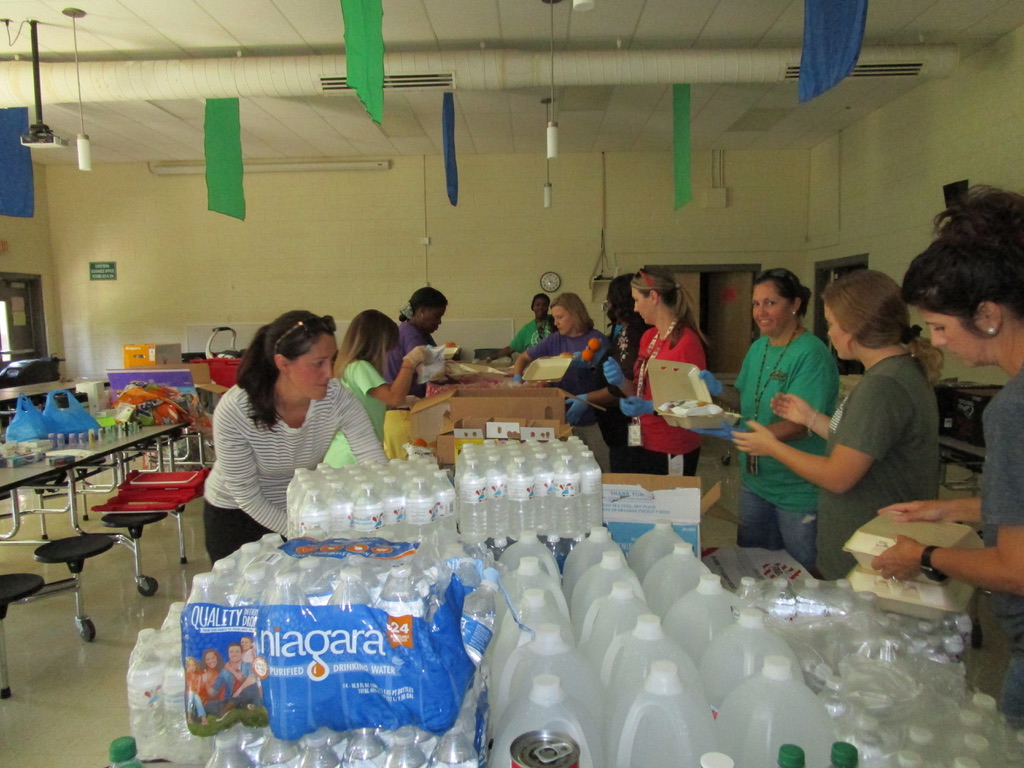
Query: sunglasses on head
point(779, 274)
point(645, 277)
point(311, 326)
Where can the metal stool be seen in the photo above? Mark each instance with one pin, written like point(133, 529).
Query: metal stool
point(135, 522)
point(13, 587)
point(73, 551)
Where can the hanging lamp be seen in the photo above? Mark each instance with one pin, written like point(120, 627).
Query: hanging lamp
point(552, 135)
point(84, 147)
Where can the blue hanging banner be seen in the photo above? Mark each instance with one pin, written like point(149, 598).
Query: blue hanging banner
point(833, 32)
point(451, 169)
point(17, 187)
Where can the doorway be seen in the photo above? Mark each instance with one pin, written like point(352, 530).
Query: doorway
point(824, 273)
point(22, 323)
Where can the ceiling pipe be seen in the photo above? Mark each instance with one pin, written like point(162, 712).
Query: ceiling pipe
point(487, 70)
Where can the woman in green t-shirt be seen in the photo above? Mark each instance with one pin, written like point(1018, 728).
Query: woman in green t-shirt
point(360, 365)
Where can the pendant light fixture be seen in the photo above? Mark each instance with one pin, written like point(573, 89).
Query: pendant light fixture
point(552, 122)
point(84, 147)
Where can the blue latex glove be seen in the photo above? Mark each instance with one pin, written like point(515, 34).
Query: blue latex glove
point(518, 379)
point(636, 406)
point(725, 431)
point(613, 372)
point(576, 410)
point(714, 385)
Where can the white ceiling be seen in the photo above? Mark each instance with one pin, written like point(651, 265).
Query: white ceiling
point(613, 118)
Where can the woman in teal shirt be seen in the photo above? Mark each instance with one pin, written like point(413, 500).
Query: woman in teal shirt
point(361, 359)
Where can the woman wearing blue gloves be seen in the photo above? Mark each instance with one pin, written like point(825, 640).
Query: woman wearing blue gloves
point(575, 332)
point(663, 303)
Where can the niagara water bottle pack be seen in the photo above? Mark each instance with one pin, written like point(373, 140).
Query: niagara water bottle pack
point(336, 633)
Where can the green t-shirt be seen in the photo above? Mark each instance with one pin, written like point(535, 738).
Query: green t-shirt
point(360, 377)
point(891, 416)
point(529, 335)
point(806, 369)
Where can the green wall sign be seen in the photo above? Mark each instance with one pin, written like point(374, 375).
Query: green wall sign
point(103, 270)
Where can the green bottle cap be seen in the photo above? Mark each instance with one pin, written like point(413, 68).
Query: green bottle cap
point(122, 749)
point(844, 755)
point(791, 756)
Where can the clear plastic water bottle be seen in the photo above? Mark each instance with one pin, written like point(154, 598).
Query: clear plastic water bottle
point(228, 752)
point(368, 511)
point(472, 496)
point(124, 753)
point(844, 755)
point(364, 749)
point(791, 756)
point(316, 751)
point(478, 619)
point(350, 589)
point(454, 750)
point(286, 590)
point(444, 498)
point(591, 491)
point(521, 515)
point(497, 494)
point(145, 692)
point(567, 515)
point(314, 514)
point(419, 508)
point(399, 595)
point(254, 584)
point(278, 753)
point(179, 742)
point(392, 496)
point(545, 493)
point(316, 580)
point(404, 752)
point(206, 590)
point(341, 507)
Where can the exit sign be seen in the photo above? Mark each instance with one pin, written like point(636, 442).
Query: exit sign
point(103, 270)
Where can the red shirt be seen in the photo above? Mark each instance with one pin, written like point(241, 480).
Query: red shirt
point(658, 435)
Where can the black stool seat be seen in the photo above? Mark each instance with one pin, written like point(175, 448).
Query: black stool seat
point(132, 519)
point(74, 549)
point(15, 586)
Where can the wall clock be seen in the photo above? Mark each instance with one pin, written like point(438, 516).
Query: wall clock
point(550, 281)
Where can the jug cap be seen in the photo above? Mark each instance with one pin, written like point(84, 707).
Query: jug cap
point(546, 690)
point(648, 627)
point(777, 668)
point(750, 618)
point(611, 560)
point(622, 590)
point(663, 679)
point(791, 756)
point(710, 584)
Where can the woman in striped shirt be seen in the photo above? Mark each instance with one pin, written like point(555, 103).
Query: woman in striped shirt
point(282, 415)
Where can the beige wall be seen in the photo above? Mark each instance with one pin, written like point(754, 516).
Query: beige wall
point(340, 242)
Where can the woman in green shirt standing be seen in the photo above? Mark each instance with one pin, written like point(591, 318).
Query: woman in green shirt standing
point(361, 360)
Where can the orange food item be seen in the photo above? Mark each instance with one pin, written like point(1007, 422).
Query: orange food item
point(594, 344)
point(566, 354)
point(420, 442)
point(451, 344)
point(587, 354)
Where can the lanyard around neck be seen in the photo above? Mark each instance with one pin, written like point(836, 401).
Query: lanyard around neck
point(651, 354)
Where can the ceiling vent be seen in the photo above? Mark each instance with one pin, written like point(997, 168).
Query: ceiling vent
point(415, 81)
point(886, 69)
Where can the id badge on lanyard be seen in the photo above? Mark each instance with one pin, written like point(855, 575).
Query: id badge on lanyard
point(634, 438)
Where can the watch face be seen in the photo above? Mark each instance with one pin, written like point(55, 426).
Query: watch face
point(550, 281)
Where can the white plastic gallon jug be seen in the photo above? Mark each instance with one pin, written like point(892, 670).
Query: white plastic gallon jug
point(596, 583)
point(739, 652)
point(583, 555)
point(771, 709)
point(547, 708)
point(537, 607)
point(609, 616)
point(673, 576)
point(664, 725)
point(651, 547)
point(699, 615)
point(528, 545)
point(528, 575)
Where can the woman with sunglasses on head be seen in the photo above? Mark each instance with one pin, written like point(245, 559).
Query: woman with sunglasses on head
point(778, 508)
point(419, 318)
point(662, 449)
point(281, 415)
point(368, 339)
point(574, 335)
point(883, 440)
point(968, 287)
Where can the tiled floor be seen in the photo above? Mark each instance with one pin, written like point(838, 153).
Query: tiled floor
point(69, 696)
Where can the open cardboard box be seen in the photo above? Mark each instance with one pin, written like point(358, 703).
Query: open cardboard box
point(434, 419)
point(479, 430)
point(681, 381)
point(195, 375)
point(634, 502)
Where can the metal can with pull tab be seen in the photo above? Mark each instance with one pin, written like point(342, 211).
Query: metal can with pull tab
point(545, 749)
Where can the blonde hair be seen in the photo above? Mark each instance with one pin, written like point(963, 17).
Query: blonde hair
point(573, 304)
point(867, 305)
point(370, 336)
point(674, 296)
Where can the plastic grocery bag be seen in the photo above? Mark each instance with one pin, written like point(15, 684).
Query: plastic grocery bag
point(28, 422)
point(68, 421)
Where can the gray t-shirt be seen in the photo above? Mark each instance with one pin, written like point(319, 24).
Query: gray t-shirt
point(1002, 489)
point(892, 416)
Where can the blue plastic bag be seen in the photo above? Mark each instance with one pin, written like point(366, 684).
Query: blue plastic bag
point(28, 422)
point(68, 421)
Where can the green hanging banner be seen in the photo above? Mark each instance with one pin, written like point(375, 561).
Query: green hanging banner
point(224, 158)
point(681, 144)
point(364, 53)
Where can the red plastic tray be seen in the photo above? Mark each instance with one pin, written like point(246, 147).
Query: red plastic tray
point(138, 480)
point(223, 370)
point(141, 501)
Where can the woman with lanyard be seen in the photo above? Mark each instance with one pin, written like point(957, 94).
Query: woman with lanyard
point(883, 441)
point(663, 303)
point(778, 508)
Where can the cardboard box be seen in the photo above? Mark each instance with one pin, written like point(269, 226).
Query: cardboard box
point(633, 503)
point(879, 533)
point(479, 431)
point(960, 410)
point(136, 355)
point(733, 563)
point(434, 419)
point(185, 377)
point(681, 381)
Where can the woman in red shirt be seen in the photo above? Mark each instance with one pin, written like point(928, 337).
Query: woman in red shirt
point(662, 302)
